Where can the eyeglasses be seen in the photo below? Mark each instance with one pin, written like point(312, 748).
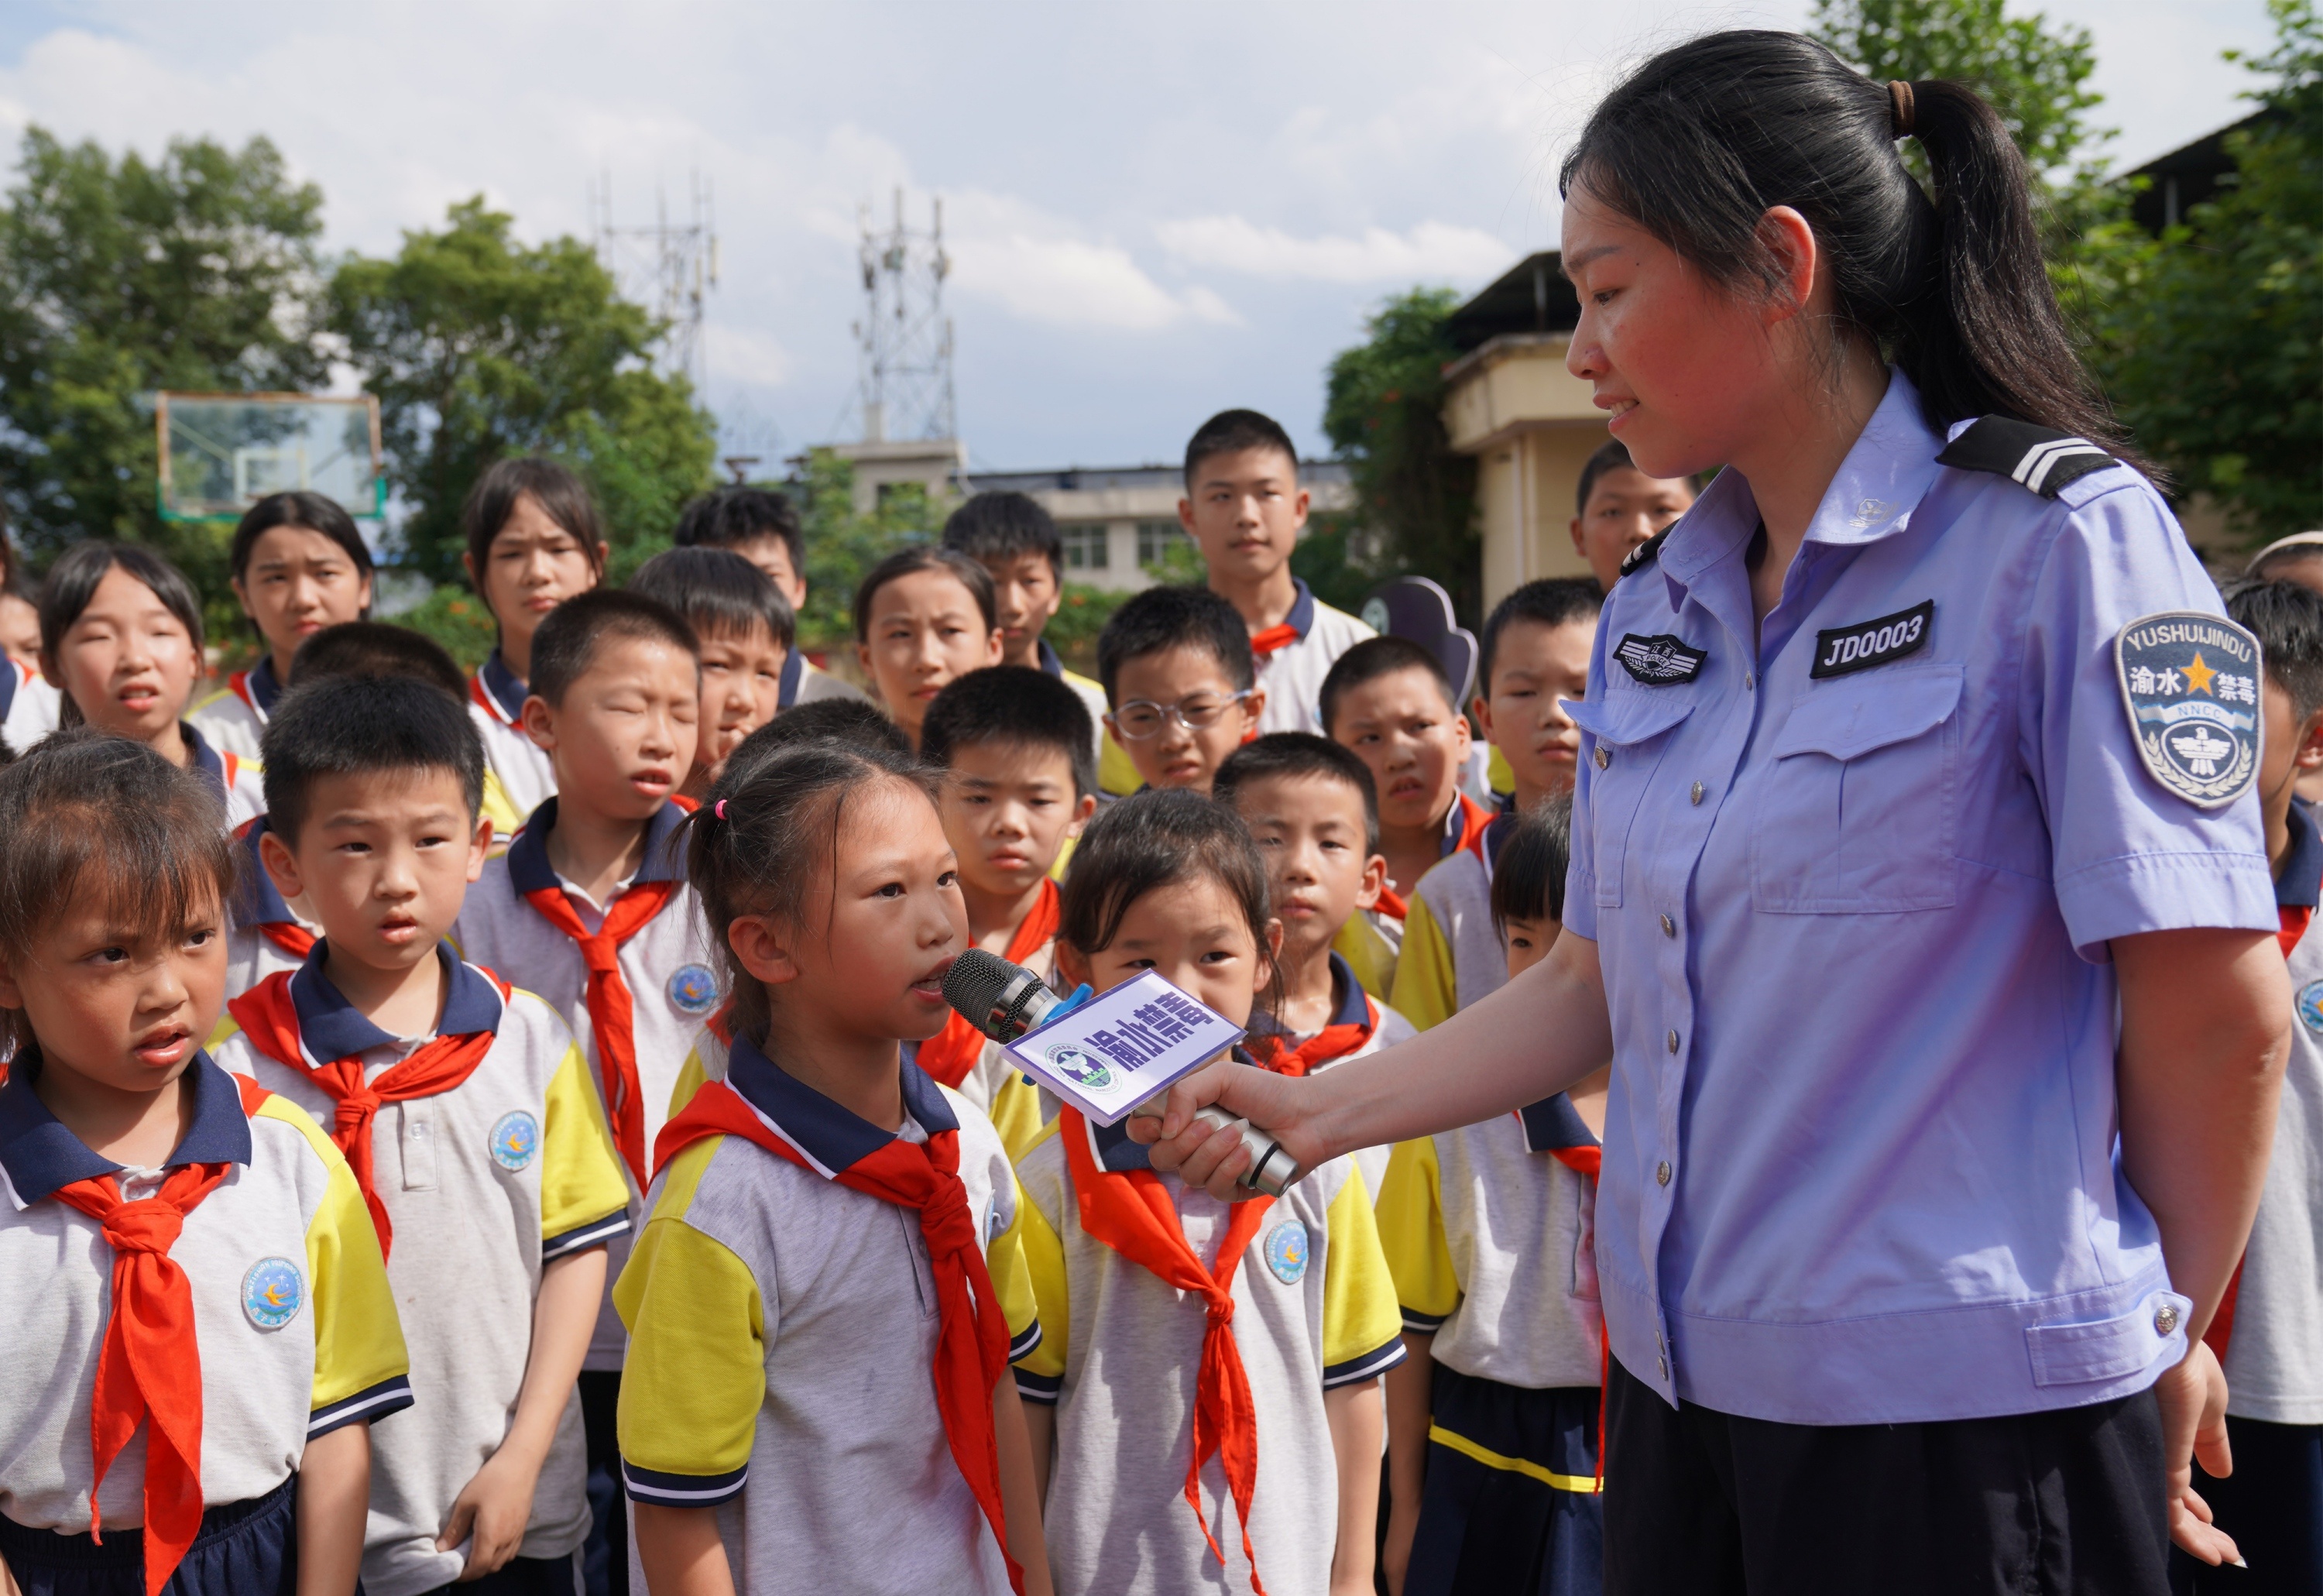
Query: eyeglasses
point(1141, 718)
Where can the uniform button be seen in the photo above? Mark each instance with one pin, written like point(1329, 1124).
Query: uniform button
point(1603, 757)
point(1749, 680)
point(1670, 926)
point(1697, 791)
point(1672, 1042)
point(1662, 1364)
point(2166, 1318)
point(1661, 1173)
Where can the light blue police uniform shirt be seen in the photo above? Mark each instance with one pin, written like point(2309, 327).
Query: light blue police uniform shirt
point(1859, 1154)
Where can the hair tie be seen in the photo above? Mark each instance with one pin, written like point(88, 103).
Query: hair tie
point(719, 809)
point(1901, 117)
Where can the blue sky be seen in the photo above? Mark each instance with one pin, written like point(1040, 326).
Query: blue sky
point(1154, 211)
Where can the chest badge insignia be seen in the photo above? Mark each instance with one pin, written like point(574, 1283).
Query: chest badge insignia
point(515, 1137)
point(1286, 1251)
point(2189, 682)
point(272, 1293)
point(1848, 648)
point(2309, 1005)
point(1660, 660)
point(693, 990)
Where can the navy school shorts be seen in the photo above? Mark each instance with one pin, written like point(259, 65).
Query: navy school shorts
point(241, 1549)
point(1524, 1519)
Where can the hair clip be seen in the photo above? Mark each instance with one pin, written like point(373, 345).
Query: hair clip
point(719, 809)
point(1903, 115)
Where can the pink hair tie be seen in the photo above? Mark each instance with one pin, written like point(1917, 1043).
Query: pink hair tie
point(719, 809)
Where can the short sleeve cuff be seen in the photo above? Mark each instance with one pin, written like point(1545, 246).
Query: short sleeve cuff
point(1044, 1389)
point(1416, 1323)
point(1025, 1342)
point(580, 1238)
point(682, 1490)
point(389, 1396)
point(1370, 1366)
point(2153, 892)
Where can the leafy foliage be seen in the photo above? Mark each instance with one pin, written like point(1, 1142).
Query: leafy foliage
point(842, 545)
point(457, 618)
point(1384, 412)
point(479, 347)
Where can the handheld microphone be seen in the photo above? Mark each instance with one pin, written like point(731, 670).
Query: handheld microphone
point(1005, 1001)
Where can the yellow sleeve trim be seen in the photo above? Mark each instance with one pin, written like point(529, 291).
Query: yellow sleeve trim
point(358, 1339)
point(1426, 989)
point(696, 1375)
point(1368, 955)
point(1042, 1257)
point(580, 1175)
point(1016, 1114)
point(690, 1078)
point(500, 810)
point(1360, 1315)
point(1012, 1279)
point(1411, 1231)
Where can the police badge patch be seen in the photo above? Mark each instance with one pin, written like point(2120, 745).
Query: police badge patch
point(2191, 683)
point(1660, 660)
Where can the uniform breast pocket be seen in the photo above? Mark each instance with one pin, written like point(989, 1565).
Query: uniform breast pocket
point(1858, 812)
point(1630, 733)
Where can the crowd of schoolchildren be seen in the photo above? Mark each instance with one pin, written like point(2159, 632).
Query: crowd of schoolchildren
point(507, 1129)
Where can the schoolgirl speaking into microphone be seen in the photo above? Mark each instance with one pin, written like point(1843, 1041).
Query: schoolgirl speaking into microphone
point(1918, 888)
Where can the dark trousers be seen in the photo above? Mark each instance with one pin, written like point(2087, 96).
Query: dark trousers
point(241, 1549)
point(605, 1554)
point(1702, 1503)
point(2272, 1505)
point(519, 1576)
point(1488, 1530)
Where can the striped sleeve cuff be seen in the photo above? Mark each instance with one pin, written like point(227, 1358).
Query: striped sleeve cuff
point(1419, 1324)
point(389, 1396)
point(1026, 1340)
point(1370, 1366)
point(682, 1490)
point(1044, 1389)
point(595, 1234)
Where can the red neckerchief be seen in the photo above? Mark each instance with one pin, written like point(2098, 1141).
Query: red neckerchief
point(1271, 1051)
point(149, 1369)
point(972, 1342)
point(290, 936)
point(2293, 921)
point(1392, 905)
point(613, 1012)
point(483, 696)
point(269, 1016)
point(240, 682)
point(1273, 640)
point(951, 1053)
point(1473, 819)
point(1130, 1211)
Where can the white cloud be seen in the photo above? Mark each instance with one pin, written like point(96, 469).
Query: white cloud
point(1430, 249)
point(1045, 270)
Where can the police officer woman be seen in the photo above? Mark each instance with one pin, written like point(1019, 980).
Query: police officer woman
point(1918, 890)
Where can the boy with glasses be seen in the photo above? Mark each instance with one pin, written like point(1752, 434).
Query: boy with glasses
point(1177, 669)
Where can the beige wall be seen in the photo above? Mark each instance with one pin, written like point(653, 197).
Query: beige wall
point(1531, 425)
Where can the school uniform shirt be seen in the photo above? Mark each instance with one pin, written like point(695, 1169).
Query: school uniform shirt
point(1120, 1352)
point(1293, 657)
point(783, 1329)
point(518, 775)
point(485, 1186)
point(802, 683)
point(1371, 941)
point(669, 967)
point(1117, 777)
point(295, 1327)
point(28, 706)
point(997, 1086)
point(237, 782)
point(2270, 1331)
point(1452, 955)
point(1994, 721)
point(233, 717)
point(263, 933)
point(1360, 1025)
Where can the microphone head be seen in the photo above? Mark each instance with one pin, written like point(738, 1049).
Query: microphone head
point(975, 984)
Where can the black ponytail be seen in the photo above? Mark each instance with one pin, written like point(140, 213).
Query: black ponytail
point(1700, 142)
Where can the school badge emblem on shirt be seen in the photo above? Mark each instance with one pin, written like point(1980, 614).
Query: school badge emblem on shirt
point(272, 1293)
point(1286, 1251)
point(515, 1137)
point(2309, 1005)
point(693, 990)
point(2190, 682)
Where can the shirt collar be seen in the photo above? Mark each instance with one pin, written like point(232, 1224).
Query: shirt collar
point(260, 683)
point(1554, 1122)
point(1051, 661)
point(1301, 618)
point(832, 1138)
point(794, 675)
point(529, 870)
point(1350, 1005)
point(331, 1028)
point(11, 678)
point(2299, 883)
point(1871, 497)
point(39, 1154)
point(206, 758)
point(255, 900)
point(507, 691)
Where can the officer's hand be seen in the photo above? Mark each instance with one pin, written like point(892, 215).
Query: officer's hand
point(2193, 1398)
point(1183, 1145)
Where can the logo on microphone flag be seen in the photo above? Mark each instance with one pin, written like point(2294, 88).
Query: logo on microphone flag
point(1118, 1049)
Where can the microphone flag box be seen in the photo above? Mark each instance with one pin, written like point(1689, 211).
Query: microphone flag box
point(1115, 1051)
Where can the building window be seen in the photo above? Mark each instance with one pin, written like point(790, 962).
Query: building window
point(1085, 545)
point(1155, 539)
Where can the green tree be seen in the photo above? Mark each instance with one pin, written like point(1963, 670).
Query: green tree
point(118, 277)
point(2209, 339)
point(843, 545)
point(479, 347)
point(1384, 412)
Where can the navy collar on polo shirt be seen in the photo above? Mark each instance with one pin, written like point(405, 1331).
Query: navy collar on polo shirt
point(331, 1028)
point(1301, 618)
point(1050, 660)
point(264, 688)
point(205, 759)
point(1496, 836)
point(1114, 1150)
point(40, 1154)
point(255, 900)
point(794, 676)
point(2299, 883)
point(1554, 1122)
point(832, 1138)
point(1350, 1005)
point(507, 691)
point(10, 678)
point(529, 870)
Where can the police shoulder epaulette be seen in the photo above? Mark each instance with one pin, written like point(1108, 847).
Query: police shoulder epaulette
point(2038, 457)
point(1645, 553)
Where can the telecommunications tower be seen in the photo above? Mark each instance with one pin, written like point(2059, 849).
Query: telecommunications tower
point(904, 337)
point(669, 266)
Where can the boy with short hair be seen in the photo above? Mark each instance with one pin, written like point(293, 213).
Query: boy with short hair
point(1244, 508)
point(1177, 669)
point(745, 630)
point(463, 1110)
point(1017, 540)
point(1534, 652)
point(1310, 807)
point(1012, 745)
point(2268, 1332)
point(591, 908)
point(1389, 700)
point(1617, 507)
point(1492, 1420)
point(763, 527)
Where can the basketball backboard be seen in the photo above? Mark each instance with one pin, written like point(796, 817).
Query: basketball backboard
point(222, 452)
